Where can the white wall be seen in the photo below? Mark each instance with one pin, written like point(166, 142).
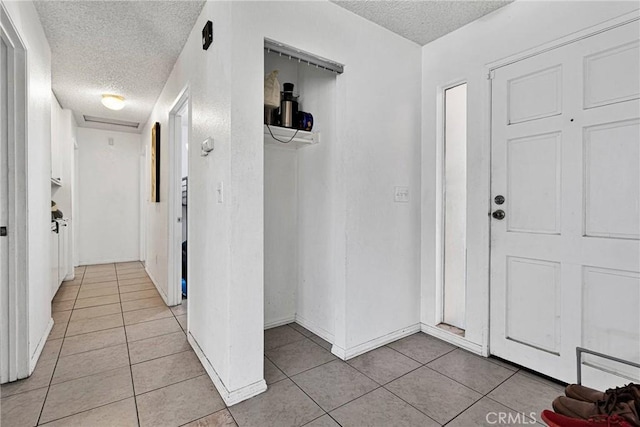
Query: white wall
point(280, 235)
point(26, 20)
point(318, 206)
point(375, 242)
point(108, 226)
point(63, 134)
point(462, 56)
point(207, 74)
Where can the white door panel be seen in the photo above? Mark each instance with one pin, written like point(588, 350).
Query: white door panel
point(612, 75)
point(565, 260)
point(612, 180)
point(533, 183)
point(536, 95)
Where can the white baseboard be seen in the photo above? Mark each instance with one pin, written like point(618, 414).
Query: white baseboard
point(70, 276)
point(321, 332)
point(349, 353)
point(452, 338)
point(85, 262)
point(38, 351)
point(229, 397)
point(279, 322)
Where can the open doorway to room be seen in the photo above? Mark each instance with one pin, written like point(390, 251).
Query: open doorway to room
point(455, 210)
point(179, 125)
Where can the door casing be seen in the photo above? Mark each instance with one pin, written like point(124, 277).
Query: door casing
point(14, 336)
point(174, 288)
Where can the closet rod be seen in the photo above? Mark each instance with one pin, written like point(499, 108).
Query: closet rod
point(300, 56)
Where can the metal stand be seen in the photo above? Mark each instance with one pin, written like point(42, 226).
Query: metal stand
point(580, 351)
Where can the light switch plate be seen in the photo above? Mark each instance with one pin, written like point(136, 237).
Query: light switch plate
point(401, 195)
point(220, 191)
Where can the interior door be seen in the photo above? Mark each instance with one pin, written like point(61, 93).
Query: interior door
point(4, 215)
point(565, 256)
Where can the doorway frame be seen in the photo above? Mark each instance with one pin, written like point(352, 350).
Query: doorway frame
point(174, 289)
point(489, 70)
point(16, 363)
point(441, 196)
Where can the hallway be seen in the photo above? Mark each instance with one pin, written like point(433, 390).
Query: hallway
point(117, 356)
point(112, 335)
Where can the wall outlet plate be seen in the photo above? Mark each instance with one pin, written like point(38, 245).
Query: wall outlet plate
point(401, 195)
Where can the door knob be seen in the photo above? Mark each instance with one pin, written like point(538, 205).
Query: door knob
point(499, 214)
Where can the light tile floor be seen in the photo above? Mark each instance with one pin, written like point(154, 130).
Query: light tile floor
point(117, 356)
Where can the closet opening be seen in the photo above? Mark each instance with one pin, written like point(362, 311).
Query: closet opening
point(299, 182)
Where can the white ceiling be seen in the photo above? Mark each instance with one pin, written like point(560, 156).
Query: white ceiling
point(129, 48)
point(421, 21)
point(122, 47)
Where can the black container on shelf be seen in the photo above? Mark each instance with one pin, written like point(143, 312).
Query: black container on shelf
point(288, 107)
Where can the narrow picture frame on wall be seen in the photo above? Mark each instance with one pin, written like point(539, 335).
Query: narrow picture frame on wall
point(155, 163)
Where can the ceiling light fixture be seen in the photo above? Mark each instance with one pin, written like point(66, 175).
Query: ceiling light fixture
point(113, 102)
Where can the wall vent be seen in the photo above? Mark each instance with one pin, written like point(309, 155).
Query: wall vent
point(114, 122)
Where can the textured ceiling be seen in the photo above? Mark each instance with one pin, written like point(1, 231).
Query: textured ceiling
point(129, 48)
point(122, 47)
point(421, 21)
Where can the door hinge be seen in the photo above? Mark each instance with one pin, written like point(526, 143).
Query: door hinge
point(491, 74)
point(3, 231)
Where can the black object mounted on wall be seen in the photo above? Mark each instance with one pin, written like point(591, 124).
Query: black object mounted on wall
point(207, 35)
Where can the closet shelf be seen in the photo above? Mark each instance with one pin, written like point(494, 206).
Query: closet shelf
point(301, 139)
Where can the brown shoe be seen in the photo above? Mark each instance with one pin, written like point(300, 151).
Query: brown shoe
point(611, 406)
point(586, 394)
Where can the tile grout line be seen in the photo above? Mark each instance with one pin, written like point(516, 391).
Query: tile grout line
point(113, 314)
point(313, 400)
point(382, 386)
point(292, 381)
point(161, 357)
point(356, 369)
point(133, 386)
point(485, 395)
point(457, 382)
point(205, 416)
point(184, 331)
point(177, 382)
point(326, 363)
point(512, 373)
point(421, 364)
point(407, 373)
point(86, 410)
point(55, 366)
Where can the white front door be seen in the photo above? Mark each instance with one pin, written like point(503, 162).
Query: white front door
point(565, 258)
